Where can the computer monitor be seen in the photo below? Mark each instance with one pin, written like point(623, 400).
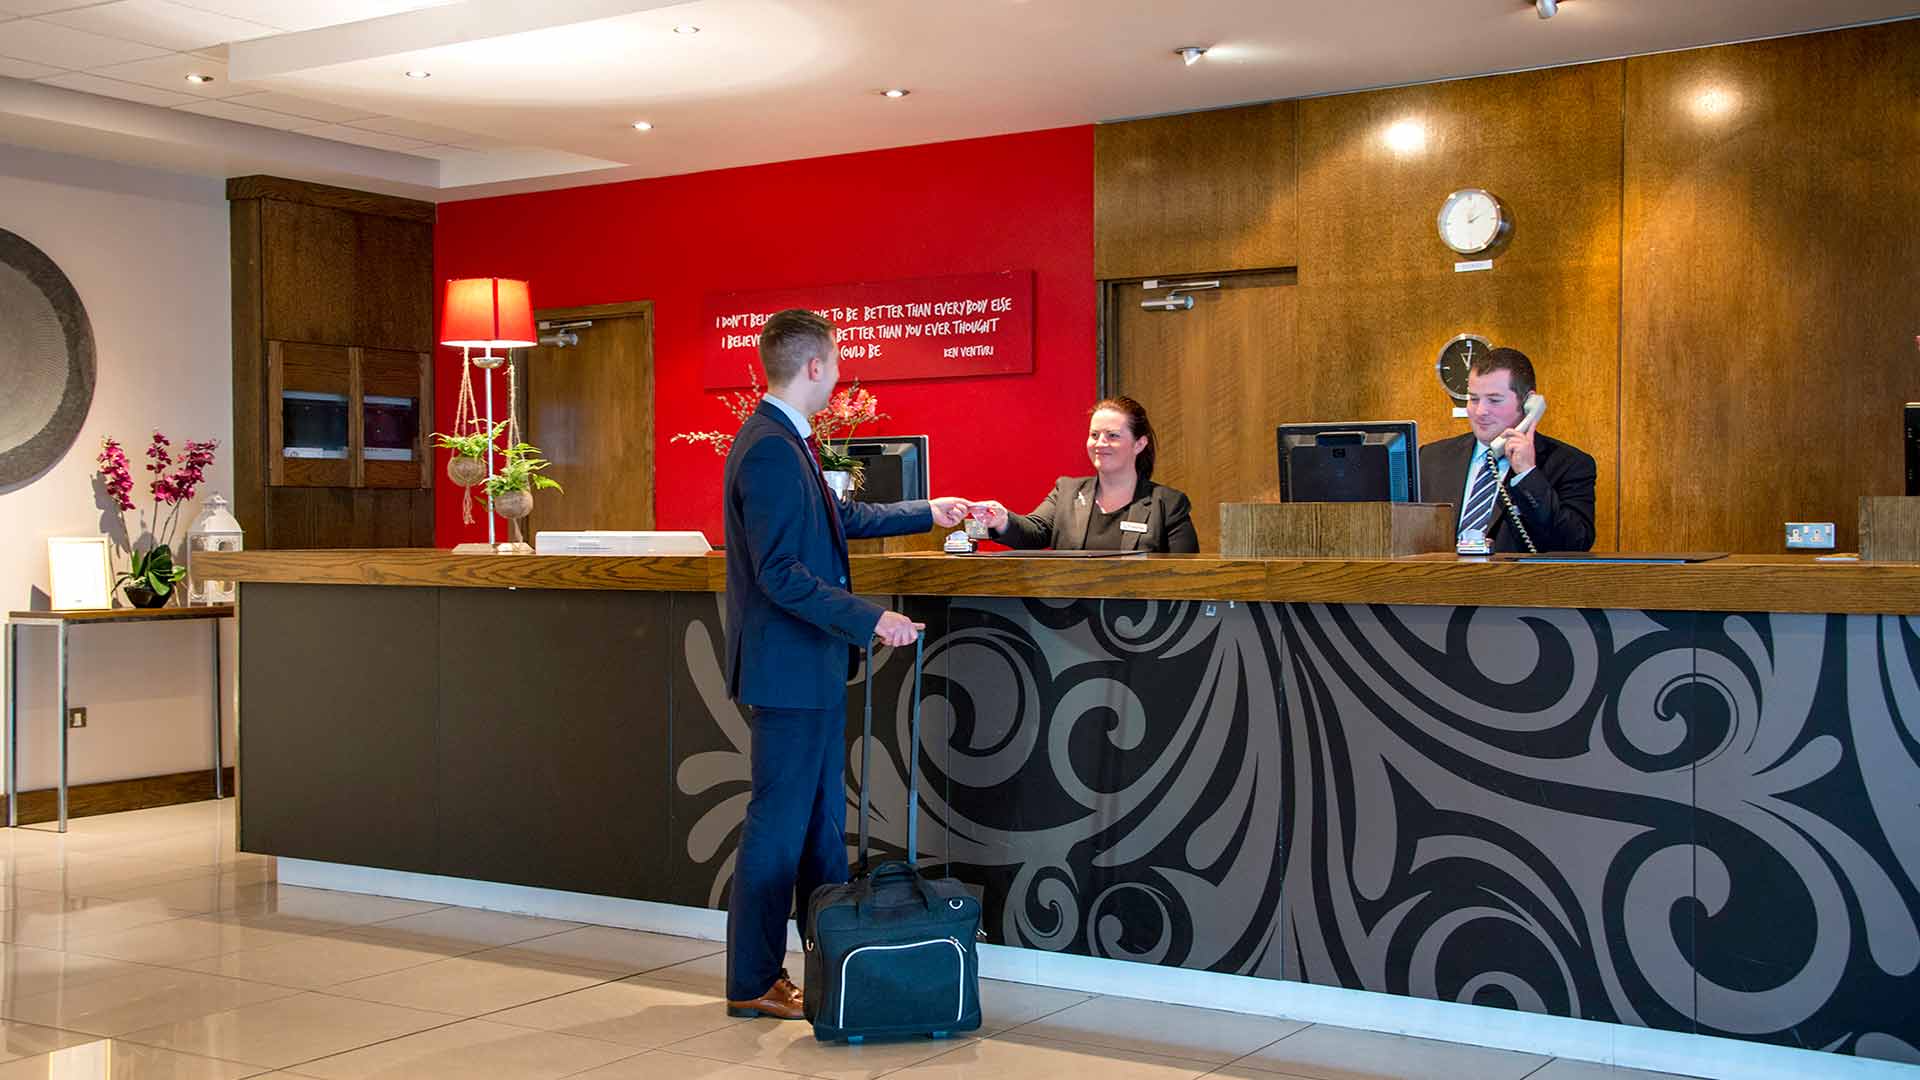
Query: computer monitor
point(1350, 462)
point(895, 467)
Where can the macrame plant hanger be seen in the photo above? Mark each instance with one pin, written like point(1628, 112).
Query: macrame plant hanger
point(466, 418)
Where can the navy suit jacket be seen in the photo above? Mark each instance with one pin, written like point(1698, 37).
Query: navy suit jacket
point(790, 618)
point(1555, 500)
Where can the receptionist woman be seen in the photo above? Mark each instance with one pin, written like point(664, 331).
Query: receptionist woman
point(1118, 508)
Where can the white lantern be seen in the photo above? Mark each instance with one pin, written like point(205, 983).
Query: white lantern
point(214, 530)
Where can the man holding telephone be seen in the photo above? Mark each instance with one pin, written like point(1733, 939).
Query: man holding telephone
point(1538, 496)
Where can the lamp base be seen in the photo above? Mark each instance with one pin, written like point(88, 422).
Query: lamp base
point(479, 548)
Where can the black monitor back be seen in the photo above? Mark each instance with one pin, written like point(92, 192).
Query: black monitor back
point(1349, 462)
point(895, 467)
point(1913, 447)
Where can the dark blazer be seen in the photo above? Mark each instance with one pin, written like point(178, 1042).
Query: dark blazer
point(1061, 519)
point(1555, 500)
point(790, 618)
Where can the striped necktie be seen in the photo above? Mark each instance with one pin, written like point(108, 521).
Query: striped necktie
point(1479, 508)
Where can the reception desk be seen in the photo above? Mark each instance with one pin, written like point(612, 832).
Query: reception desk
point(1675, 796)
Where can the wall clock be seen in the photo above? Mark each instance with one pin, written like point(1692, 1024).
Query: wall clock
point(1473, 221)
point(1456, 357)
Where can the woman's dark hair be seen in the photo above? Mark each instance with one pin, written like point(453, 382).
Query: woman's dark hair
point(1138, 425)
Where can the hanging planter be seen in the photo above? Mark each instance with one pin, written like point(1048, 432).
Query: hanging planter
point(513, 505)
point(466, 471)
point(513, 486)
point(470, 443)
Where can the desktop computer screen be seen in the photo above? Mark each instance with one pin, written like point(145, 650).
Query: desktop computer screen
point(1349, 462)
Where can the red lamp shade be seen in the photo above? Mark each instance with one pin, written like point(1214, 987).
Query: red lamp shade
point(487, 313)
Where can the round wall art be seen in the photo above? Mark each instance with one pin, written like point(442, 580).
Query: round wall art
point(46, 361)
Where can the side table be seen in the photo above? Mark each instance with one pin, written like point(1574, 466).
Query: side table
point(62, 622)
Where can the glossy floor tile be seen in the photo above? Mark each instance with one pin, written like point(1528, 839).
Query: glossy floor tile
point(143, 945)
point(468, 1049)
point(1336, 1053)
point(289, 1030)
point(1149, 1027)
point(113, 1059)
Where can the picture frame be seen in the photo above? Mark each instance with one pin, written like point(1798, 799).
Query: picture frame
point(79, 572)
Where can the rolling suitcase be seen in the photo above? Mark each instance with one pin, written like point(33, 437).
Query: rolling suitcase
point(891, 952)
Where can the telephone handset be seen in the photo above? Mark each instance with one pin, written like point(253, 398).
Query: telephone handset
point(1535, 407)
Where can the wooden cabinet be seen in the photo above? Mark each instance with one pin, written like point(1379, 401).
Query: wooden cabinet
point(332, 365)
point(347, 417)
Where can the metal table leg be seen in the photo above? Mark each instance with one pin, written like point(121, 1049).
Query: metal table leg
point(218, 791)
point(62, 721)
point(13, 735)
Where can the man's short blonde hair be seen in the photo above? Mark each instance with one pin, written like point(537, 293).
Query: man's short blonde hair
point(789, 339)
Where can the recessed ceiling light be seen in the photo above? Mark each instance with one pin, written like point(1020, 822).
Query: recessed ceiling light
point(416, 73)
point(196, 78)
point(642, 125)
point(1190, 53)
point(895, 92)
point(686, 28)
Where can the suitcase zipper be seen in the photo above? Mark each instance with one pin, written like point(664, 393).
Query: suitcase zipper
point(961, 983)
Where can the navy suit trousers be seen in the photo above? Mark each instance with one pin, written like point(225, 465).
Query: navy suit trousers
point(794, 839)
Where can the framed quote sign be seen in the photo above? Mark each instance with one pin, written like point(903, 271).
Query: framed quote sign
point(922, 328)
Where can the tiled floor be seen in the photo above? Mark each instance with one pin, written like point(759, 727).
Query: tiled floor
point(143, 945)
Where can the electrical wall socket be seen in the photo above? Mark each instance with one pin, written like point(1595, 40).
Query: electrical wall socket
point(77, 716)
point(1810, 534)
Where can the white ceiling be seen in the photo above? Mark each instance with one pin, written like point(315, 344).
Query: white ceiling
point(526, 95)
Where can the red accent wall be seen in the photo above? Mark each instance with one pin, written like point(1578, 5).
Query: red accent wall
point(1004, 203)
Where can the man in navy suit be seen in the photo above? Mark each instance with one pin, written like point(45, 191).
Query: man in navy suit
point(1550, 484)
point(790, 622)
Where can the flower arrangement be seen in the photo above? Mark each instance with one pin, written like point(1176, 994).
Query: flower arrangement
point(844, 413)
point(833, 426)
point(150, 578)
point(741, 403)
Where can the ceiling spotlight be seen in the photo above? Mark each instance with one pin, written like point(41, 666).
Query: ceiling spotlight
point(416, 73)
point(1546, 8)
point(686, 28)
point(895, 92)
point(642, 125)
point(198, 79)
point(1190, 53)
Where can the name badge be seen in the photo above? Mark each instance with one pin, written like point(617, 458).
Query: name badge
point(1133, 526)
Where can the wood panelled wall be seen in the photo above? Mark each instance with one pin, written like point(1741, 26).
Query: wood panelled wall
point(1715, 265)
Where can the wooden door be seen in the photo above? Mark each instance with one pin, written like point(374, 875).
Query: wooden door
point(589, 408)
point(1215, 381)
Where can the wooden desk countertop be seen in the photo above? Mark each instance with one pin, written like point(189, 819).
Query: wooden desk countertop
point(1736, 583)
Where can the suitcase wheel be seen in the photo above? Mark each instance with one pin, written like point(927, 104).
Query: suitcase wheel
point(936, 1035)
point(856, 1040)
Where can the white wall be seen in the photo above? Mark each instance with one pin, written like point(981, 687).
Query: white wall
point(147, 252)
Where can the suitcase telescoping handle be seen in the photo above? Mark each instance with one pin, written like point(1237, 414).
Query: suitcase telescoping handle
point(913, 760)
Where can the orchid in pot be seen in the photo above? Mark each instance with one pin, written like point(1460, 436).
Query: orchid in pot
point(152, 573)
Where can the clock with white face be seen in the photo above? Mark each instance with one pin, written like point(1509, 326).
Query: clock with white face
point(1472, 221)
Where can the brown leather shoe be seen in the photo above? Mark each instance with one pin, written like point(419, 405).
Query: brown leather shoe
point(782, 1001)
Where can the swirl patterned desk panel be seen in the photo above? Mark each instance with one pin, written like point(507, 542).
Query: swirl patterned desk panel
point(1698, 822)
